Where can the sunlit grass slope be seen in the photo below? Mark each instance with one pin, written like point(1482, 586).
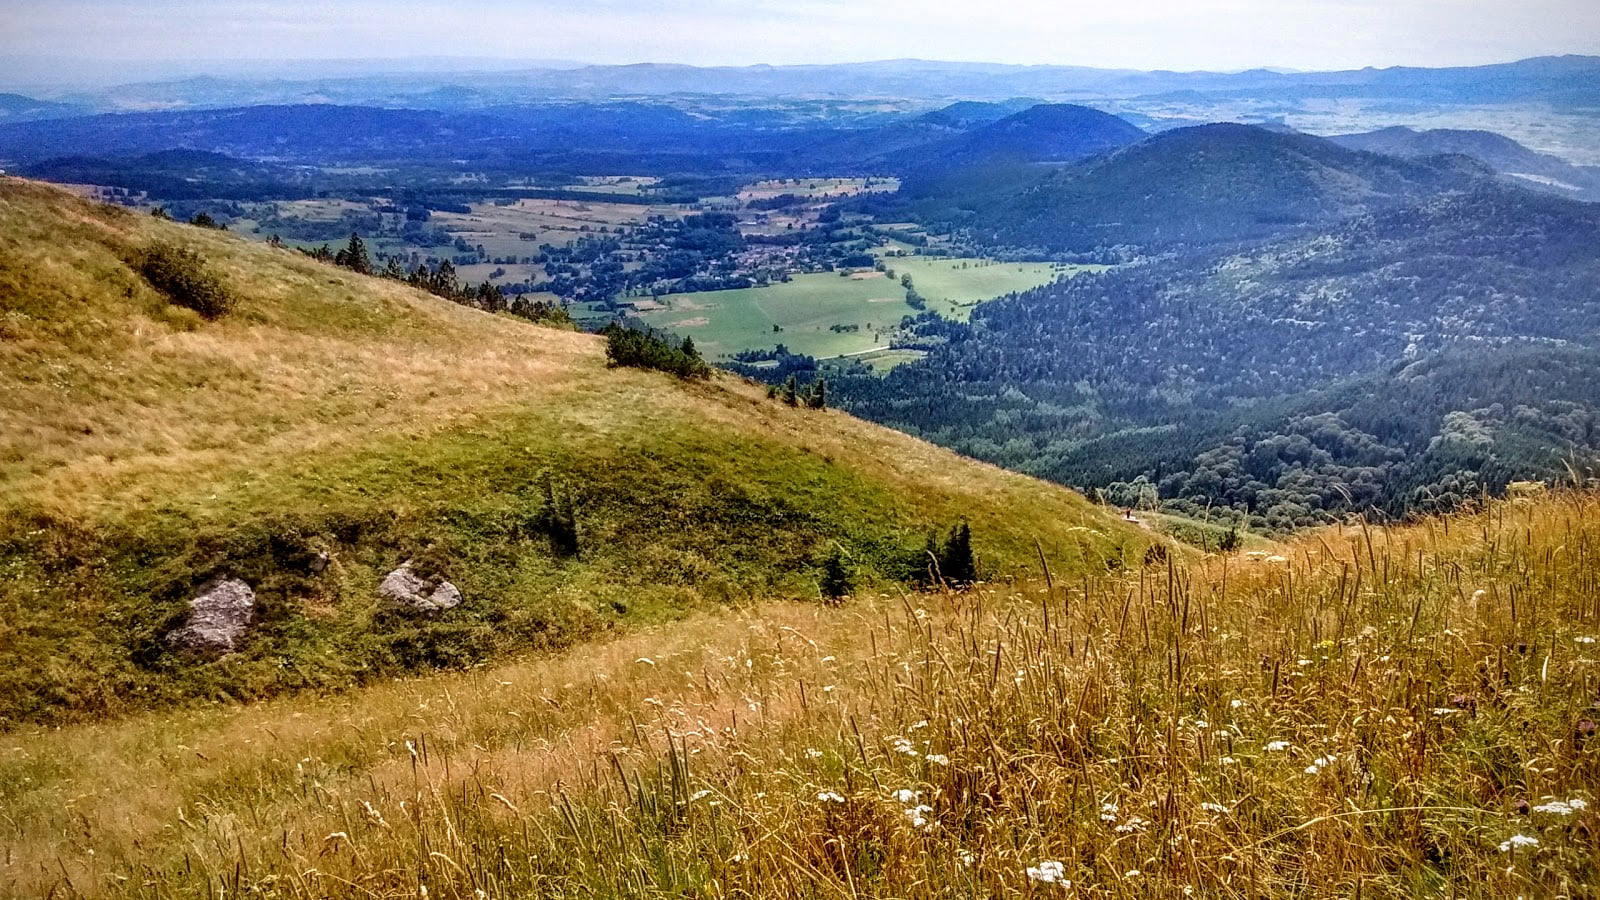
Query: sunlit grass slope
point(145, 451)
point(1374, 712)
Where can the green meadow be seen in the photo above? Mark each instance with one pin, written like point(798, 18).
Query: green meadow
point(803, 314)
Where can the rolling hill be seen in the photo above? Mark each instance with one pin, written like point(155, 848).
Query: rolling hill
point(1209, 184)
point(1500, 153)
point(880, 148)
point(18, 108)
point(1048, 132)
point(1403, 360)
point(333, 426)
point(971, 135)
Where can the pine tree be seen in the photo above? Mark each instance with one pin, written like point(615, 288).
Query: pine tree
point(443, 280)
point(819, 394)
point(688, 348)
point(791, 391)
point(836, 581)
point(956, 563)
point(559, 520)
point(354, 256)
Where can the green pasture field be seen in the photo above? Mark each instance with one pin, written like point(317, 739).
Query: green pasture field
point(723, 323)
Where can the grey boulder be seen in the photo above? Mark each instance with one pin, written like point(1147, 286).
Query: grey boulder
point(406, 587)
point(218, 618)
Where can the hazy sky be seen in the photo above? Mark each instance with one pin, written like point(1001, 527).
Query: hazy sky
point(1174, 34)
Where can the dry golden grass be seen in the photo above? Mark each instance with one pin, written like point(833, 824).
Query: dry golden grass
point(103, 379)
point(1374, 712)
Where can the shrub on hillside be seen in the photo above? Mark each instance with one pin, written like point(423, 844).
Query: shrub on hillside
point(184, 278)
point(649, 350)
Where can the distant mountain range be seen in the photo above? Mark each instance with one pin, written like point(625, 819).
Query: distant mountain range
point(1015, 172)
point(17, 108)
point(1497, 151)
point(1570, 81)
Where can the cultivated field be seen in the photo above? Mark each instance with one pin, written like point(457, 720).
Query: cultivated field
point(807, 308)
point(500, 229)
point(817, 188)
point(1366, 712)
point(509, 229)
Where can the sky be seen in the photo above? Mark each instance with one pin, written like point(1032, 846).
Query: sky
point(1144, 34)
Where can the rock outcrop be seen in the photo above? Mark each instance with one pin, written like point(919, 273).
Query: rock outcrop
point(219, 617)
point(431, 595)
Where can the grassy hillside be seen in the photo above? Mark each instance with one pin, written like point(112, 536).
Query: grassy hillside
point(338, 419)
point(1376, 712)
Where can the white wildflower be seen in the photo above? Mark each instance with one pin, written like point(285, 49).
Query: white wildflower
point(1277, 746)
point(918, 815)
point(903, 745)
point(1132, 825)
point(1048, 872)
point(1228, 761)
point(1518, 840)
point(938, 759)
point(1132, 873)
point(1584, 639)
point(699, 795)
point(1236, 703)
point(813, 753)
point(906, 796)
point(830, 797)
point(1217, 808)
point(1561, 807)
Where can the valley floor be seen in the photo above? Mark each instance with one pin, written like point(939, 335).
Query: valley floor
point(1374, 712)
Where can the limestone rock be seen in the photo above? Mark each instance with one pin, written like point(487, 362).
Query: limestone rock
point(218, 618)
point(406, 587)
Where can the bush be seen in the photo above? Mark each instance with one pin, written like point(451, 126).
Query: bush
point(650, 350)
point(184, 278)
